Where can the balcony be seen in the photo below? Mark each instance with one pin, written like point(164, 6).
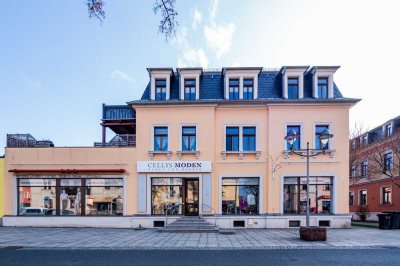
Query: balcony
point(117, 112)
point(26, 141)
point(120, 140)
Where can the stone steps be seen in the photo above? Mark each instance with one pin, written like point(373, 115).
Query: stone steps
point(189, 225)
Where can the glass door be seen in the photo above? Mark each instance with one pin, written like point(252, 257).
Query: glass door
point(191, 197)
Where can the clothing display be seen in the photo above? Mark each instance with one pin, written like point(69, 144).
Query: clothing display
point(243, 204)
point(64, 200)
point(251, 199)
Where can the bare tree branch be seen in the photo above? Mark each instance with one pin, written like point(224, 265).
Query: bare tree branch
point(95, 9)
point(168, 23)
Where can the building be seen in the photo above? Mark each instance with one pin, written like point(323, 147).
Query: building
point(1, 187)
point(198, 142)
point(374, 169)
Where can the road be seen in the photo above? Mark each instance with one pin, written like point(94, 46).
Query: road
point(383, 256)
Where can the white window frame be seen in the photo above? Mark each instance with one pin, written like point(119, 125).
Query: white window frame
point(353, 168)
point(388, 125)
point(293, 72)
point(366, 197)
point(241, 75)
point(392, 162)
point(351, 192)
point(181, 132)
point(325, 72)
point(241, 126)
point(362, 168)
point(301, 124)
point(189, 74)
point(330, 142)
point(156, 75)
point(152, 136)
point(381, 194)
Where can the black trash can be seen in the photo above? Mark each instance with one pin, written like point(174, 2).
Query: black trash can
point(395, 219)
point(385, 220)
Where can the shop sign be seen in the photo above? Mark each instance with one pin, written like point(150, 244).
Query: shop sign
point(173, 166)
point(37, 182)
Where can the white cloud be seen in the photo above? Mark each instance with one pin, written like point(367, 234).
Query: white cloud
point(219, 37)
point(118, 74)
point(197, 18)
point(190, 56)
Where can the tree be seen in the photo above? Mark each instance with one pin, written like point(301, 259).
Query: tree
point(382, 154)
point(168, 23)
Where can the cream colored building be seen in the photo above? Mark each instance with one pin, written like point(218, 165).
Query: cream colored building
point(207, 143)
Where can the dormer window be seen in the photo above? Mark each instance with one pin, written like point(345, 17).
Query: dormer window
point(233, 89)
point(323, 88)
point(248, 89)
point(161, 90)
point(365, 140)
point(190, 90)
point(388, 130)
point(293, 88)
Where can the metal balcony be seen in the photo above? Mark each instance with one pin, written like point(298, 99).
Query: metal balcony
point(120, 140)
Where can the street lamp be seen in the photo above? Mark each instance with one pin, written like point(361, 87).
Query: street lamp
point(324, 137)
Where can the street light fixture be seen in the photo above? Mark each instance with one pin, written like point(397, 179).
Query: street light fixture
point(324, 137)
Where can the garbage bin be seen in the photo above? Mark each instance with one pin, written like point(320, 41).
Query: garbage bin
point(395, 219)
point(385, 220)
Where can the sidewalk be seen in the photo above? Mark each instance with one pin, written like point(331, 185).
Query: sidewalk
point(90, 238)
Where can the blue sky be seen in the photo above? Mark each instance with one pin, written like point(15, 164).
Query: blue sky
point(58, 66)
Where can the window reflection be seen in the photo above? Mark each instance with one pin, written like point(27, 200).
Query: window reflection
point(240, 195)
point(166, 196)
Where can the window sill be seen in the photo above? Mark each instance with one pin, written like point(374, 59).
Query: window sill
point(151, 154)
point(330, 152)
point(181, 153)
point(241, 154)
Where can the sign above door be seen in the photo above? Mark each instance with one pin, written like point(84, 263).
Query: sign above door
point(173, 166)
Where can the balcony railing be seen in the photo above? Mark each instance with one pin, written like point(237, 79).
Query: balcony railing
point(117, 112)
point(26, 141)
point(121, 140)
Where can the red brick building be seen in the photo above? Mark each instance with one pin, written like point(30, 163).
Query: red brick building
point(374, 170)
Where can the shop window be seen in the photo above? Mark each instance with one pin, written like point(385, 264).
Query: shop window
point(232, 138)
point(160, 138)
point(166, 196)
point(240, 195)
point(248, 89)
point(386, 195)
point(188, 138)
point(233, 89)
point(295, 195)
point(77, 196)
point(190, 90)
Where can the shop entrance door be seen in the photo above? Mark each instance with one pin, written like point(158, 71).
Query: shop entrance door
point(191, 199)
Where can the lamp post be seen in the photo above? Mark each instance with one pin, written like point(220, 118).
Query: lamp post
point(324, 137)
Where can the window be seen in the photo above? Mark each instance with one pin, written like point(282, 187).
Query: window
point(353, 144)
point(76, 196)
point(296, 144)
point(248, 88)
point(364, 168)
point(249, 138)
point(161, 90)
point(388, 161)
point(188, 138)
point(351, 198)
point(240, 195)
point(232, 138)
point(362, 199)
point(295, 195)
point(365, 140)
point(293, 88)
point(353, 171)
point(323, 88)
point(166, 196)
point(318, 132)
point(386, 195)
point(190, 89)
point(233, 89)
point(388, 130)
point(160, 138)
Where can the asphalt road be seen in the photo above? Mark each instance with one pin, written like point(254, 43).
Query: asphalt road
point(201, 257)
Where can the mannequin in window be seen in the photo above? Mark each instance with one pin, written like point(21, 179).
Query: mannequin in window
point(78, 202)
point(64, 201)
point(251, 201)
